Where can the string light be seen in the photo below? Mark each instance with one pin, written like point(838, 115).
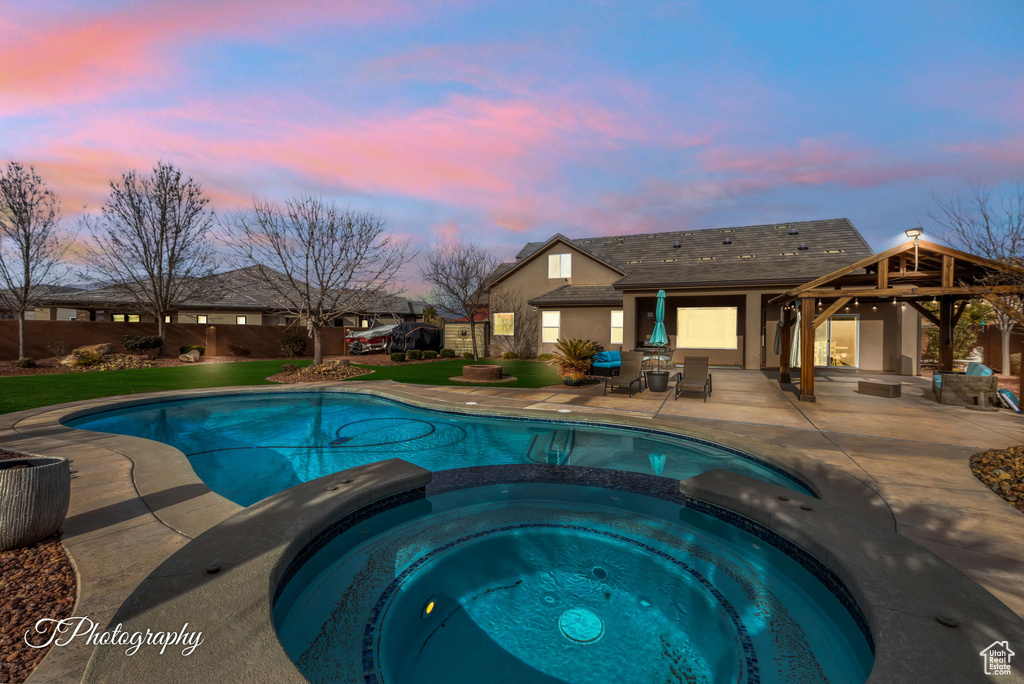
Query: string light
point(856, 302)
point(894, 300)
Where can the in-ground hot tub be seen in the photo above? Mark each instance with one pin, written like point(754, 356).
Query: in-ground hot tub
point(565, 583)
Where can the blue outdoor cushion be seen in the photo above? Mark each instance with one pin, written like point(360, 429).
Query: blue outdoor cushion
point(978, 369)
point(608, 359)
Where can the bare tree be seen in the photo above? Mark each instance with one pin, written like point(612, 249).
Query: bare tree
point(523, 337)
point(320, 262)
point(992, 227)
point(458, 274)
point(151, 240)
point(31, 246)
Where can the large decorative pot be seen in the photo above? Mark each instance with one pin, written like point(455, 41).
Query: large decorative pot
point(657, 381)
point(573, 378)
point(34, 496)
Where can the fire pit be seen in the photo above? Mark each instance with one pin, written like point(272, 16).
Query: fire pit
point(489, 372)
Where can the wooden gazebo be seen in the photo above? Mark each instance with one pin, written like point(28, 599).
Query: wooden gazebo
point(913, 272)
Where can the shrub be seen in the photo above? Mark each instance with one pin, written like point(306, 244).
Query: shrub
point(88, 358)
point(239, 350)
point(398, 357)
point(544, 357)
point(415, 354)
point(25, 363)
point(447, 353)
point(140, 343)
point(293, 343)
point(430, 354)
point(467, 355)
point(289, 368)
point(192, 347)
point(572, 355)
point(59, 347)
point(510, 355)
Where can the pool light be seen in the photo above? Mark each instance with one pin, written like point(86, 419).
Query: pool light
point(429, 608)
point(565, 410)
point(470, 403)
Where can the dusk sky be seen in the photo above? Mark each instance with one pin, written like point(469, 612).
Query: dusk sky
point(504, 122)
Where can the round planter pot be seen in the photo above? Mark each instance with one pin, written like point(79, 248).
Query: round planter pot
point(657, 381)
point(34, 496)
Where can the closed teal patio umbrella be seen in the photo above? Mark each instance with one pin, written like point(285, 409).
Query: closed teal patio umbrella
point(659, 338)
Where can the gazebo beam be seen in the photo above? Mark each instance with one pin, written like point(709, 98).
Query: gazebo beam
point(945, 334)
point(924, 312)
point(806, 350)
point(786, 346)
point(832, 308)
point(903, 292)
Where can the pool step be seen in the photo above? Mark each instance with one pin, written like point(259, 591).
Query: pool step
point(553, 447)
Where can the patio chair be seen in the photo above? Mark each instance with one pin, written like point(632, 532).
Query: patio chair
point(630, 374)
point(695, 377)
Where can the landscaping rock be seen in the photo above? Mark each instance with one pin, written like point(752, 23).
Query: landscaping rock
point(190, 356)
point(1002, 471)
point(98, 349)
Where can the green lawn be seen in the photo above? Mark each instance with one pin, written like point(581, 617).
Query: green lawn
point(30, 391)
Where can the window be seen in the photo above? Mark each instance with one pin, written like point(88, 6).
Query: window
point(134, 318)
point(117, 318)
point(504, 324)
point(167, 319)
point(202, 318)
point(559, 265)
point(616, 336)
point(551, 323)
point(707, 327)
point(240, 320)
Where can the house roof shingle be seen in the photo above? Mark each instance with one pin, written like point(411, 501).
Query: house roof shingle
point(234, 290)
point(579, 294)
point(765, 253)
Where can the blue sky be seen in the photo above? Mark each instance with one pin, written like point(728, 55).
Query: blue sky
point(504, 122)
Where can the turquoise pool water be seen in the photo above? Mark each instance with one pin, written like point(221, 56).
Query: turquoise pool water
point(546, 583)
point(246, 447)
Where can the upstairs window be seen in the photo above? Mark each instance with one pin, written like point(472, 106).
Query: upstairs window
point(202, 318)
point(559, 265)
point(239, 320)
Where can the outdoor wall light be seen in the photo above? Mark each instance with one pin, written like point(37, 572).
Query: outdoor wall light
point(914, 232)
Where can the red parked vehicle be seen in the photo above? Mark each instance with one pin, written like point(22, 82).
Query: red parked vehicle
point(368, 341)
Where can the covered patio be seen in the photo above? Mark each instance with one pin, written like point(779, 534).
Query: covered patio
point(907, 275)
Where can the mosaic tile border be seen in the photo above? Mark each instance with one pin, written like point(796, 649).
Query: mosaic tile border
point(335, 529)
point(582, 423)
point(370, 666)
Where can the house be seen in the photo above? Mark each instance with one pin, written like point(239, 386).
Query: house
point(230, 298)
point(45, 292)
point(719, 285)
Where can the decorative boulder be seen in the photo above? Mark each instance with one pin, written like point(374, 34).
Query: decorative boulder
point(190, 356)
point(34, 495)
point(345, 362)
point(97, 349)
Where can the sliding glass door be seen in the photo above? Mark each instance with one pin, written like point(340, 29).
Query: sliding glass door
point(836, 342)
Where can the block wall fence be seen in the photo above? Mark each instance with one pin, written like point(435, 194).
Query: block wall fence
point(48, 338)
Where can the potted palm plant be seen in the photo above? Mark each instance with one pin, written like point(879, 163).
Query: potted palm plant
point(573, 358)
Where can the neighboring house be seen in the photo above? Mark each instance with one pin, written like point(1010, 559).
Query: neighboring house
point(230, 298)
point(46, 292)
point(718, 283)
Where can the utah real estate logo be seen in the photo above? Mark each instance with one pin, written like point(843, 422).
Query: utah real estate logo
point(997, 658)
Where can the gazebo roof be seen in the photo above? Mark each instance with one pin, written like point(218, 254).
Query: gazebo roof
point(915, 270)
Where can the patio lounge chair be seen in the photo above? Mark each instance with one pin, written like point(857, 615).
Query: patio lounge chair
point(695, 377)
point(630, 374)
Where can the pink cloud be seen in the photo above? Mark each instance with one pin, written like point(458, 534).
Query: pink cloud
point(85, 58)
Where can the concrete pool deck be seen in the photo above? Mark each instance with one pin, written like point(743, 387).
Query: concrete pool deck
point(115, 538)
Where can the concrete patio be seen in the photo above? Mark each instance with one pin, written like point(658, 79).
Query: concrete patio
point(933, 497)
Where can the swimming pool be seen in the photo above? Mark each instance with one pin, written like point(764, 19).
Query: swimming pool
point(246, 447)
point(559, 583)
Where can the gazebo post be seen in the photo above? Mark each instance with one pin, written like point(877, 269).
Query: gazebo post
point(786, 346)
point(807, 349)
point(946, 334)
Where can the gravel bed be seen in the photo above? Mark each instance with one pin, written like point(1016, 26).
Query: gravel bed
point(35, 582)
point(1002, 471)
